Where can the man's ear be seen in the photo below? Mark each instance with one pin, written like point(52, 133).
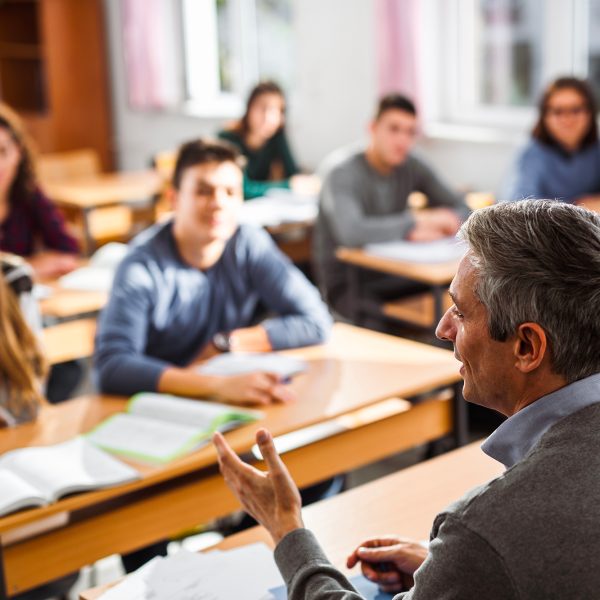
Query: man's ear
point(530, 347)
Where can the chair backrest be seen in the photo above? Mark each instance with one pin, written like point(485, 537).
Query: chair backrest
point(58, 166)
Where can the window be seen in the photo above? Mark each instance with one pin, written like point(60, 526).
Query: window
point(229, 45)
point(494, 57)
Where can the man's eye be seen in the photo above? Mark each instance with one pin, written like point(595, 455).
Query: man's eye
point(457, 313)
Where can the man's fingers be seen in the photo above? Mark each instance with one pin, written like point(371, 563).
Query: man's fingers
point(269, 454)
point(281, 393)
point(228, 460)
point(378, 554)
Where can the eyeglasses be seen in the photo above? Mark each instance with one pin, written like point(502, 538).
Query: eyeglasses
point(567, 111)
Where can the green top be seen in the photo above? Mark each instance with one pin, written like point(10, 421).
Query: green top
point(260, 161)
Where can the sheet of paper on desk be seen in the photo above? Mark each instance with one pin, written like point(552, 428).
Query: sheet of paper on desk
point(367, 590)
point(439, 251)
point(239, 363)
point(247, 572)
point(273, 211)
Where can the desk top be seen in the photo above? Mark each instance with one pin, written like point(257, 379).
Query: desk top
point(404, 503)
point(94, 191)
point(431, 274)
point(356, 368)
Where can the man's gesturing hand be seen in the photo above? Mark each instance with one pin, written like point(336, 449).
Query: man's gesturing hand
point(271, 497)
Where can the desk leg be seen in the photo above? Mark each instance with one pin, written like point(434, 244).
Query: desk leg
point(3, 590)
point(461, 424)
point(87, 233)
point(352, 276)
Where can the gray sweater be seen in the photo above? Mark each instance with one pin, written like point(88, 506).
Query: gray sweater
point(359, 206)
point(162, 311)
point(532, 533)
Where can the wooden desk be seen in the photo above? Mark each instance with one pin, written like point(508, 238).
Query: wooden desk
point(437, 276)
point(356, 369)
point(64, 304)
point(84, 194)
point(405, 503)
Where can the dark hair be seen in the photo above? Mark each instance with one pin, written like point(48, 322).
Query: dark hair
point(395, 102)
point(264, 87)
point(201, 151)
point(25, 180)
point(583, 88)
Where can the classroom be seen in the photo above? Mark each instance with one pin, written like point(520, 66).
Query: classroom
point(299, 299)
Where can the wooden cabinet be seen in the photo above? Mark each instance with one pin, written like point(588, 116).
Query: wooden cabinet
point(53, 71)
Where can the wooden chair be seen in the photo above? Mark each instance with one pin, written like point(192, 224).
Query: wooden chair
point(107, 224)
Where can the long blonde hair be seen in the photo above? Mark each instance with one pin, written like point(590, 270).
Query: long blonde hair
point(22, 364)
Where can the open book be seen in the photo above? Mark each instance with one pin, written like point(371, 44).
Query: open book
point(40, 475)
point(157, 428)
point(98, 275)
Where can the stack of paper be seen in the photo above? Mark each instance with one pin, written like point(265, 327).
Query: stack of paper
point(273, 211)
point(248, 572)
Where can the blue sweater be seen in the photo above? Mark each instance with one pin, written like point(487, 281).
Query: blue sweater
point(544, 171)
point(162, 311)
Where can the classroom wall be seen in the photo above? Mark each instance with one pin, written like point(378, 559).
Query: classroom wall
point(336, 92)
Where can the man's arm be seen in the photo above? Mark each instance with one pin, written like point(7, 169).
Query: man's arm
point(302, 317)
point(342, 205)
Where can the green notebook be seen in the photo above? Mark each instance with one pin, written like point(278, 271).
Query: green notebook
point(158, 428)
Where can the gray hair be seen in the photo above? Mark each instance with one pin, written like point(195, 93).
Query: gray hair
point(539, 261)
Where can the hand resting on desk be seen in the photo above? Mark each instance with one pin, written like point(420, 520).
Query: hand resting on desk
point(401, 557)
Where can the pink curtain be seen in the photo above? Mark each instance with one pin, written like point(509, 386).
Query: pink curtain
point(397, 34)
point(149, 84)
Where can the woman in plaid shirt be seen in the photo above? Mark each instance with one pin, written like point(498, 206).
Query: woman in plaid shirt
point(30, 225)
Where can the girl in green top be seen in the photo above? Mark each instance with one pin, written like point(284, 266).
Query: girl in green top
point(260, 137)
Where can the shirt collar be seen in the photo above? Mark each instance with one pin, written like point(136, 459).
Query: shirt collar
point(511, 442)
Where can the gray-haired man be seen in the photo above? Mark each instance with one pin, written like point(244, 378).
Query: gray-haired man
point(525, 325)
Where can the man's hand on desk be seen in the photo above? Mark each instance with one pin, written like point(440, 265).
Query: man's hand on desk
point(433, 224)
point(271, 497)
point(400, 558)
point(253, 389)
point(249, 389)
point(49, 265)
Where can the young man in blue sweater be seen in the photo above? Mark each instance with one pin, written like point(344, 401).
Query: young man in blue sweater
point(190, 288)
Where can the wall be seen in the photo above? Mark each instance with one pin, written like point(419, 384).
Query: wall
point(334, 98)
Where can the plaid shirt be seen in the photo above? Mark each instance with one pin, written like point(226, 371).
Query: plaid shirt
point(33, 224)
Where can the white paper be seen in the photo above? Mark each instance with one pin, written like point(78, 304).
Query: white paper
point(185, 411)
point(239, 363)
point(439, 251)
point(16, 493)
point(143, 438)
point(247, 572)
point(273, 211)
point(72, 466)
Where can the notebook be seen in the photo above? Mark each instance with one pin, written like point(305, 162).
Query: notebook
point(158, 428)
point(41, 475)
point(367, 590)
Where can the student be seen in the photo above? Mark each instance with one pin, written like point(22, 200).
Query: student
point(190, 288)
point(364, 200)
point(562, 159)
point(260, 137)
point(22, 364)
point(526, 328)
point(30, 225)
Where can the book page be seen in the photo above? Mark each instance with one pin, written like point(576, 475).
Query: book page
point(440, 251)
point(69, 467)
point(237, 363)
point(200, 414)
point(145, 439)
point(16, 493)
